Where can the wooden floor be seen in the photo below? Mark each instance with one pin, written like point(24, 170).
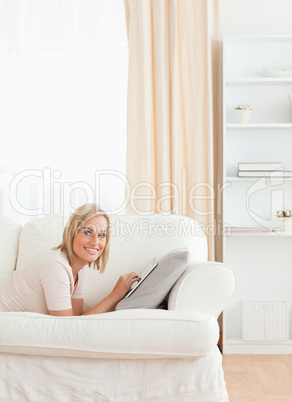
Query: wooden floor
point(258, 378)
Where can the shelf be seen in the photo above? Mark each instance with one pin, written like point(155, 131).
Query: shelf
point(259, 81)
point(240, 341)
point(238, 346)
point(259, 125)
point(236, 178)
point(266, 234)
point(251, 38)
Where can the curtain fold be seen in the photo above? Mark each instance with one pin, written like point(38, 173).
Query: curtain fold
point(172, 107)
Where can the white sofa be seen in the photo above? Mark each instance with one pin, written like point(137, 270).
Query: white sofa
point(129, 355)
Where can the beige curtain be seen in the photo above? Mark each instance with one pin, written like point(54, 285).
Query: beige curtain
point(172, 109)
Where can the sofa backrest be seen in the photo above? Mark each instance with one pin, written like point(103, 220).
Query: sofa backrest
point(135, 240)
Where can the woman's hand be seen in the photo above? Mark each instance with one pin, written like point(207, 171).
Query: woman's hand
point(123, 285)
point(121, 288)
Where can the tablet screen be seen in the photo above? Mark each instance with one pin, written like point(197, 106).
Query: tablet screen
point(143, 275)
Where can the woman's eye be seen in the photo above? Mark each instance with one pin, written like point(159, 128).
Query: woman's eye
point(102, 235)
point(87, 233)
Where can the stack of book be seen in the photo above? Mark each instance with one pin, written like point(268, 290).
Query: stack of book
point(262, 169)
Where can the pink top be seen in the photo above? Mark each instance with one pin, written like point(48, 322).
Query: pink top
point(45, 283)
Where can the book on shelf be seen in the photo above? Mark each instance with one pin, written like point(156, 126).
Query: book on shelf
point(270, 166)
point(255, 173)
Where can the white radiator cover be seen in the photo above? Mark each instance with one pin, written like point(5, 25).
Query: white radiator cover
point(265, 321)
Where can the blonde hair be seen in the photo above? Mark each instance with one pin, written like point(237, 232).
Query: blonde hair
point(74, 224)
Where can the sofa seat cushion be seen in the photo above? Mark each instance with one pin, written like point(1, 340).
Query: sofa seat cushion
point(125, 334)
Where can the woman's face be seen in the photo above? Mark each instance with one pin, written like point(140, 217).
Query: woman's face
point(90, 241)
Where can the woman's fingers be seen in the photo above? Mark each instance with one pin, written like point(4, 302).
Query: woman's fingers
point(131, 277)
point(136, 279)
point(124, 284)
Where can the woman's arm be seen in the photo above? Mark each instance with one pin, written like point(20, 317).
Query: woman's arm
point(107, 304)
point(65, 313)
point(77, 306)
point(118, 293)
point(77, 309)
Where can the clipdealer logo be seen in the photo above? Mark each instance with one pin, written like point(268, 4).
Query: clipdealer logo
point(264, 197)
point(55, 196)
point(49, 184)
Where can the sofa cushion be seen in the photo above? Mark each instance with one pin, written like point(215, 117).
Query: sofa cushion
point(153, 291)
point(9, 237)
point(39, 235)
point(127, 334)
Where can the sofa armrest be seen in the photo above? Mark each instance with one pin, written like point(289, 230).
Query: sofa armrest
point(205, 287)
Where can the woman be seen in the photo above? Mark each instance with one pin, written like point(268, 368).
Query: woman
point(53, 282)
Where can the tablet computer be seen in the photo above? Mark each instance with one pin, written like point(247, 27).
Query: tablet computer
point(143, 275)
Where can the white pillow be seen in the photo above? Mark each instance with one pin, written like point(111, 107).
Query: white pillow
point(154, 289)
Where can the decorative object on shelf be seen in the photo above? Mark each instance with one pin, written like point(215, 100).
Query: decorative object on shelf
point(285, 220)
point(243, 111)
point(277, 73)
point(290, 102)
point(287, 213)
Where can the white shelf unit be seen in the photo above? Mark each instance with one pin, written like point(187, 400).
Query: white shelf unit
point(262, 261)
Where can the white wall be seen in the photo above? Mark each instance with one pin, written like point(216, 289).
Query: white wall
point(256, 17)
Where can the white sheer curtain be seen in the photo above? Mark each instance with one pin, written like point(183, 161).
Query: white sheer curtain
point(63, 80)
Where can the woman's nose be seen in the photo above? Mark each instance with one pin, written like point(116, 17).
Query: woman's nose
point(95, 238)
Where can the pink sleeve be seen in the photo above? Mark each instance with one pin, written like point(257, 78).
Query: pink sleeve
point(79, 292)
point(56, 284)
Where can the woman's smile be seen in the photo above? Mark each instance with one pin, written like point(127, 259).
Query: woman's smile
point(91, 250)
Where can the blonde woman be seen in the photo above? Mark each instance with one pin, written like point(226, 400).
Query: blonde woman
point(53, 282)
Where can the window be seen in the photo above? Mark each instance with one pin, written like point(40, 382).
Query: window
point(63, 80)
